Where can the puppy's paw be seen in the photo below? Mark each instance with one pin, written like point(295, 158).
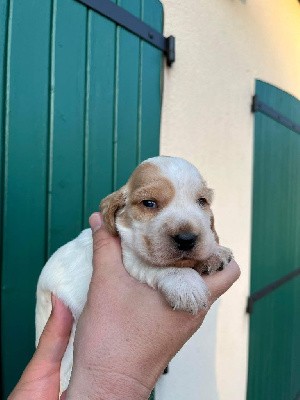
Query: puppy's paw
point(217, 261)
point(185, 290)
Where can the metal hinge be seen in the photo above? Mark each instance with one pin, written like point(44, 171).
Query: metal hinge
point(134, 25)
point(260, 106)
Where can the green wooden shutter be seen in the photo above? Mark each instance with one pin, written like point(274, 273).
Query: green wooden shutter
point(79, 109)
point(274, 353)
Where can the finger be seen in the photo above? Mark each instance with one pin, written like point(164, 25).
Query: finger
point(55, 337)
point(106, 248)
point(220, 282)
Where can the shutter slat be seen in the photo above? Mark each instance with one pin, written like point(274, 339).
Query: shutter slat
point(100, 112)
point(69, 123)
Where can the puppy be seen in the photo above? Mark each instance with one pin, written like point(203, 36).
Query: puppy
point(168, 239)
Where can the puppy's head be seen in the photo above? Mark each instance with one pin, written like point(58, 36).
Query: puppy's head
point(163, 213)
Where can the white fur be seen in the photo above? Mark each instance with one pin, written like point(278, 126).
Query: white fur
point(68, 272)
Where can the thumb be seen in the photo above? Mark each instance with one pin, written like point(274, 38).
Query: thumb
point(106, 248)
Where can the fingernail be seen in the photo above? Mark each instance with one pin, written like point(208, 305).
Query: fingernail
point(95, 222)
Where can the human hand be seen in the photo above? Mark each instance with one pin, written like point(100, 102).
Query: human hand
point(127, 332)
point(41, 380)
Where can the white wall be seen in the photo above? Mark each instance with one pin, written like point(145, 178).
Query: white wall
point(222, 47)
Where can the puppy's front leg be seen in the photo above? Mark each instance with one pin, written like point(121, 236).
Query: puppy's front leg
point(184, 289)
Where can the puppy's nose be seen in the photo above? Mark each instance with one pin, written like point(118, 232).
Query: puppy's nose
point(185, 240)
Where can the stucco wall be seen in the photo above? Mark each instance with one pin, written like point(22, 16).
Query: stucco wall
point(222, 47)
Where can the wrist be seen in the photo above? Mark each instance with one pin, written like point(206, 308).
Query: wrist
point(103, 384)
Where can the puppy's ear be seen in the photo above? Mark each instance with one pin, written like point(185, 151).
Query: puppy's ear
point(209, 195)
point(212, 227)
point(109, 207)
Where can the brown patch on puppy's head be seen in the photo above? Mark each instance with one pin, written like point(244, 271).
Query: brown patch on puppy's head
point(147, 183)
point(109, 207)
point(145, 173)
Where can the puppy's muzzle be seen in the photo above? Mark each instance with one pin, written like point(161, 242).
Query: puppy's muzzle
point(185, 240)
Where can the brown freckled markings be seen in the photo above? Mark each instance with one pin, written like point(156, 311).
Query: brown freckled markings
point(184, 227)
point(185, 263)
point(147, 243)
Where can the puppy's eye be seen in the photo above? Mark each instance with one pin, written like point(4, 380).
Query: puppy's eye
point(202, 201)
point(149, 203)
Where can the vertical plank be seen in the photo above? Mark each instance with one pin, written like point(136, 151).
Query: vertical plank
point(100, 102)
point(67, 151)
point(295, 194)
point(150, 85)
point(126, 119)
point(4, 8)
point(26, 124)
